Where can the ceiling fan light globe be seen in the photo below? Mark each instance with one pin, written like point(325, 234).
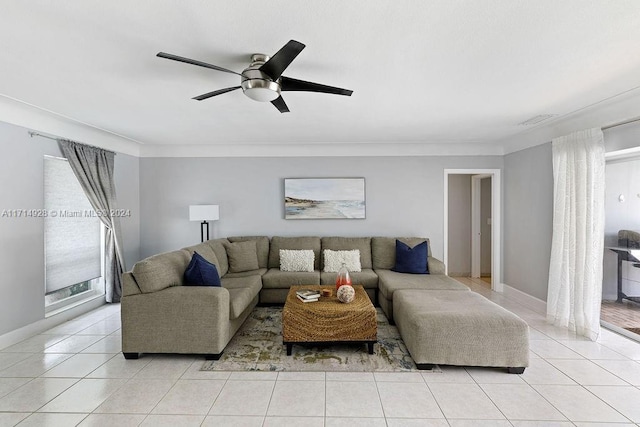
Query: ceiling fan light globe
point(261, 94)
point(261, 90)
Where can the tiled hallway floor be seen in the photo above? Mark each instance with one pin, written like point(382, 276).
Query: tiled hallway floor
point(74, 374)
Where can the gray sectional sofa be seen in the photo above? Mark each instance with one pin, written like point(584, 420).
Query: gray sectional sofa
point(160, 315)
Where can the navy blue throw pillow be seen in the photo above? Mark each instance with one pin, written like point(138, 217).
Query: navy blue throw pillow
point(411, 260)
point(201, 272)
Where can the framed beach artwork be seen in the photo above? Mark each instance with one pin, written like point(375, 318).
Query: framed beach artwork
point(324, 198)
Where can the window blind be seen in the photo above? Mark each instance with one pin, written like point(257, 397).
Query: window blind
point(71, 229)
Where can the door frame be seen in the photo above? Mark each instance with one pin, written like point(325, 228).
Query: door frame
point(496, 220)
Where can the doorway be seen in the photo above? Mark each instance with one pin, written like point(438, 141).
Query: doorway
point(472, 225)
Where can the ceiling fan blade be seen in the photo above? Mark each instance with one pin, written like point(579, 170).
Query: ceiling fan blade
point(275, 66)
point(280, 105)
point(215, 93)
point(194, 62)
point(289, 84)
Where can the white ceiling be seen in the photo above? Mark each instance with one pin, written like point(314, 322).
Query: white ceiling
point(428, 77)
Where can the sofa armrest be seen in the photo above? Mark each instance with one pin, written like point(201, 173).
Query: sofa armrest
point(129, 285)
point(435, 266)
point(179, 319)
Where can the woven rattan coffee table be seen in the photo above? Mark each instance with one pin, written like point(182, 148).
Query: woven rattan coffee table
point(328, 320)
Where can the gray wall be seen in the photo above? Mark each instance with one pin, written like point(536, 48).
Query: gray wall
point(459, 223)
point(22, 239)
point(404, 196)
point(528, 214)
point(127, 180)
point(485, 227)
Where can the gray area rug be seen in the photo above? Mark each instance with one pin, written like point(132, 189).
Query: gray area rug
point(257, 346)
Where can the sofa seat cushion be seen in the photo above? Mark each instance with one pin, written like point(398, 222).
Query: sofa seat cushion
point(258, 272)
point(367, 278)
point(276, 279)
point(460, 328)
point(390, 281)
point(242, 290)
point(161, 271)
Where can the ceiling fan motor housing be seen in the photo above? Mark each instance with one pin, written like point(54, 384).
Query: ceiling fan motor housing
point(256, 84)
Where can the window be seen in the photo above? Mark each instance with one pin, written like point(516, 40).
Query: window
point(73, 239)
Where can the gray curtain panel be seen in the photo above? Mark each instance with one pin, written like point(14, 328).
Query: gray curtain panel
point(94, 169)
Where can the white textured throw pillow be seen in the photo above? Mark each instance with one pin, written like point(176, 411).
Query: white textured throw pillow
point(296, 260)
point(333, 260)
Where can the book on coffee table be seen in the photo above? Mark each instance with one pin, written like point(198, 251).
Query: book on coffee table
point(308, 299)
point(308, 294)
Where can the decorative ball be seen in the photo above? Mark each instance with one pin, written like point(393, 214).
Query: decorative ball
point(346, 293)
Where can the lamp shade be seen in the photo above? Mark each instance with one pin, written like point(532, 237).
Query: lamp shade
point(204, 212)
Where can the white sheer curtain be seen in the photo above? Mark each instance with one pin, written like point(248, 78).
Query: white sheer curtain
point(575, 271)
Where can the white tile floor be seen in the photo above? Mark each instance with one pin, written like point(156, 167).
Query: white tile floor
point(74, 374)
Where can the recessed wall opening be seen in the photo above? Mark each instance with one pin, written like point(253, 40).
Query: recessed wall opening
point(472, 231)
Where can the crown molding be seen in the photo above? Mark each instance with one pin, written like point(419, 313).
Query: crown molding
point(346, 149)
point(615, 109)
point(48, 122)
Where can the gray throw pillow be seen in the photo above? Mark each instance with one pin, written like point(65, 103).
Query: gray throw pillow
point(243, 256)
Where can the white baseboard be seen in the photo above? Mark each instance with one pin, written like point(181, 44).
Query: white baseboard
point(525, 299)
point(21, 334)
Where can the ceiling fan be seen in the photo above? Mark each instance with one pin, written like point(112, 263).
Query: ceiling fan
point(262, 80)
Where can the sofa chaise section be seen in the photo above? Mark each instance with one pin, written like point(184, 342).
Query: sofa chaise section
point(460, 328)
point(384, 259)
point(389, 282)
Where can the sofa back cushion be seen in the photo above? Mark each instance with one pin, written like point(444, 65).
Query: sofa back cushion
point(383, 250)
point(278, 243)
point(262, 246)
point(205, 251)
point(243, 256)
point(218, 246)
point(363, 244)
point(161, 271)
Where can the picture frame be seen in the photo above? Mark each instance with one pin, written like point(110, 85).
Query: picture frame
point(324, 198)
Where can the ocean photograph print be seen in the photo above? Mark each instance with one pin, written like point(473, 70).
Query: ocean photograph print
point(324, 198)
